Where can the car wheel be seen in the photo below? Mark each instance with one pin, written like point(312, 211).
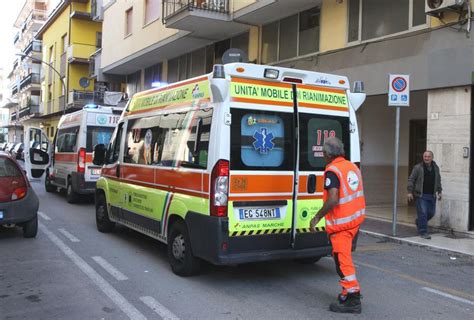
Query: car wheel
point(30, 228)
point(71, 196)
point(180, 254)
point(47, 184)
point(308, 260)
point(101, 215)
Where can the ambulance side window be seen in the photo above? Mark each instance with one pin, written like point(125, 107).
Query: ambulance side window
point(200, 129)
point(113, 149)
point(66, 140)
point(142, 141)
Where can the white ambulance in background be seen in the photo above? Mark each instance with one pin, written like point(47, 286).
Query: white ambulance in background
point(70, 158)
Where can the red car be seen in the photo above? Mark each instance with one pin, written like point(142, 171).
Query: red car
point(18, 201)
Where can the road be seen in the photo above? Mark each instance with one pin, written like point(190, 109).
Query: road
point(71, 271)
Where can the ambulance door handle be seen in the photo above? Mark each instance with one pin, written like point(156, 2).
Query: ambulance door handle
point(311, 183)
point(117, 171)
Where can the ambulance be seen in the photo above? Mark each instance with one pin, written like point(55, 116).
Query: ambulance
point(227, 167)
point(69, 165)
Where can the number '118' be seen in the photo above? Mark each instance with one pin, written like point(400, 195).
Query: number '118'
point(326, 134)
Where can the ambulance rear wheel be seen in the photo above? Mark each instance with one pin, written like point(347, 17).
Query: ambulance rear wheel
point(180, 254)
point(71, 195)
point(47, 183)
point(101, 215)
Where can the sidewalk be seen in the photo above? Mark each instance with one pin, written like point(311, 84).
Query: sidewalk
point(459, 244)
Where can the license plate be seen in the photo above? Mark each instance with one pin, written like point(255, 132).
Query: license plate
point(96, 172)
point(1, 215)
point(259, 213)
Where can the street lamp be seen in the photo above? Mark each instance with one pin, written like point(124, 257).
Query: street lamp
point(54, 69)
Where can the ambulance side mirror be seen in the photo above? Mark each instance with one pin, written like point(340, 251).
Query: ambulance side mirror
point(98, 158)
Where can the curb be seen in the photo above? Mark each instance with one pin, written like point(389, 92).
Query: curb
point(416, 244)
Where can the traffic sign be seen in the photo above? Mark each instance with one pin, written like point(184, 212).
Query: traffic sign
point(399, 90)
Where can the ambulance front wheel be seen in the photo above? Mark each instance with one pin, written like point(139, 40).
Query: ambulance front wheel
point(101, 215)
point(180, 254)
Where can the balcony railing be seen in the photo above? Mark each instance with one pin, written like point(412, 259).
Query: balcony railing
point(13, 117)
point(16, 38)
point(33, 46)
point(14, 90)
point(94, 97)
point(32, 78)
point(30, 110)
point(174, 7)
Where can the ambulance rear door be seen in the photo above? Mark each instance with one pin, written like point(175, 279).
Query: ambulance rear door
point(322, 112)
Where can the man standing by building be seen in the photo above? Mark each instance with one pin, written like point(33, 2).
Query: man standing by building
point(424, 185)
point(344, 210)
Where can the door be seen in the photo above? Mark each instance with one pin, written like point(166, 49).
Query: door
point(112, 171)
point(417, 142)
point(37, 152)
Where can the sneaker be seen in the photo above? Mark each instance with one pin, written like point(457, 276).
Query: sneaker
point(425, 236)
point(351, 304)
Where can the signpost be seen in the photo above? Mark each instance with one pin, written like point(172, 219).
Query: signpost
point(398, 96)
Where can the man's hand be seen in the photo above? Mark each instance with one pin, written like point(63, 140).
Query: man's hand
point(313, 223)
point(438, 194)
point(410, 197)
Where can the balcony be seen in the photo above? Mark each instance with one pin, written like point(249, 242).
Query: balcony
point(16, 38)
point(80, 53)
point(13, 117)
point(209, 19)
point(33, 46)
point(14, 90)
point(94, 66)
point(265, 11)
point(31, 79)
point(97, 10)
point(81, 98)
point(29, 111)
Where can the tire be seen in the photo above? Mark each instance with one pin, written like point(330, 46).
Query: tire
point(71, 195)
point(308, 260)
point(30, 228)
point(102, 216)
point(47, 184)
point(180, 255)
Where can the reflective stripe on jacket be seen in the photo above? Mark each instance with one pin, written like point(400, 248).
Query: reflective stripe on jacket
point(350, 211)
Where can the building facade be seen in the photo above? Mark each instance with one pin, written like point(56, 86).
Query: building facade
point(156, 41)
point(69, 37)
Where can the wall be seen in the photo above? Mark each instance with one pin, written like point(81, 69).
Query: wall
point(449, 114)
point(115, 46)
point(377, 128)
point(333, 34)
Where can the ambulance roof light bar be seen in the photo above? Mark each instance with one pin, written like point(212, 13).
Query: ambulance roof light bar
point(271, 73)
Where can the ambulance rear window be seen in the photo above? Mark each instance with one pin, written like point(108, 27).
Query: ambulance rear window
point(261, 140)
point(314, 130)
point(98, 135)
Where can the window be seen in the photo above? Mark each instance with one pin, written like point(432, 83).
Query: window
point(293, 36)
point(241, 42)
point(169, 140)
point(134, 83)
point(314, 130)
point(152, 75)
point(98, 135)
point(52, 132)
point(8, 169)
point(369, 19)
point(129, 21)
point(64, 43)
point(198, 62)
point(173, 70)
point(98, 40)
point(261, 140)
point(152, 10)
point(67, 139)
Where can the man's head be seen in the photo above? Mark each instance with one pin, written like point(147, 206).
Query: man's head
point(333, 148)
point(428, 157)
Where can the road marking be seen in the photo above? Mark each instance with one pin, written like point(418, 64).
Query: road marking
point(423, 283)
point(110, 269)
point(68, 235)
point(447, 295)
point(100, 282)
point(161, 310)
point(44, 216)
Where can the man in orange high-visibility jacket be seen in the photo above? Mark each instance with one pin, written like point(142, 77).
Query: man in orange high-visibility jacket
point(344, 210)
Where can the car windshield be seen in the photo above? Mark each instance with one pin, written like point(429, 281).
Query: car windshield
point(8, 168)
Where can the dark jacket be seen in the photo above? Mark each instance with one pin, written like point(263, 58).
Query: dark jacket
point(415, 181)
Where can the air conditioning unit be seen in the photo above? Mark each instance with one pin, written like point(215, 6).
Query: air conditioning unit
point(434, 7)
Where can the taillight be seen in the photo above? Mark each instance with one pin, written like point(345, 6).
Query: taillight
point(19, 193)
point(219, 188)
point(81, 161)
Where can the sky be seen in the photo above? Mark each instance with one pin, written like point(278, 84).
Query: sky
point(8, 14)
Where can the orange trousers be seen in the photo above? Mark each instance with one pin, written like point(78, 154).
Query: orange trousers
point(342, 254)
